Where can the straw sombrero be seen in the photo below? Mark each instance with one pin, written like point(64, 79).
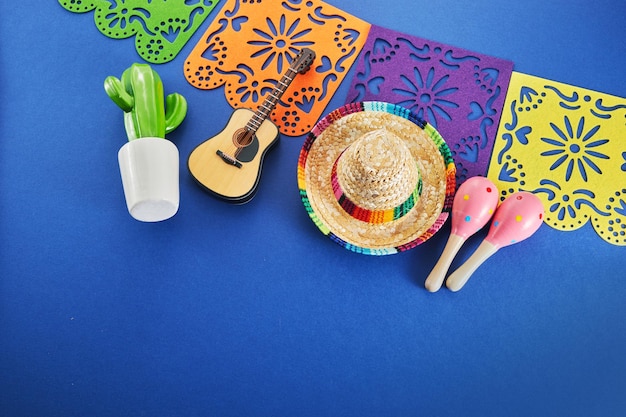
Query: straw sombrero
point(375, 178)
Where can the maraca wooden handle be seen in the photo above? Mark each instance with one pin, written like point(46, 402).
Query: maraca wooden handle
point(457, 280)
point(437, 275)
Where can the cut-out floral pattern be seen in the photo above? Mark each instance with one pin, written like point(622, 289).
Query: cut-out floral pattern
point(251, 43)
point(280, 42)
point(161, 28)
point(567, 145)
point(459, 92)
point(575, 150)
point(426, 95)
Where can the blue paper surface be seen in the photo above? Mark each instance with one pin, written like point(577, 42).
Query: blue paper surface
point(248, 310)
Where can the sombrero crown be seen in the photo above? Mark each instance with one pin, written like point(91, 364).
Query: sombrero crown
point(376, 179)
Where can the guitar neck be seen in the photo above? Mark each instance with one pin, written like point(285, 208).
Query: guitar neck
point(270, 101)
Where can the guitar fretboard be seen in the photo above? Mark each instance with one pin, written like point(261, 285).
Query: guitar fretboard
point(270, 101)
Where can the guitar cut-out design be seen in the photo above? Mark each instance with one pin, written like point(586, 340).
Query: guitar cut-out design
point(161, 28)
point(250, 43)
point(459, 92)
point(566, 145)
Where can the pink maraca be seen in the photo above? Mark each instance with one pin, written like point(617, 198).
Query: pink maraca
point(473, 205)
point(517, 218)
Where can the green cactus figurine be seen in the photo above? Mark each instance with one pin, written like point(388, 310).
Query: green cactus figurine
point(140, 95)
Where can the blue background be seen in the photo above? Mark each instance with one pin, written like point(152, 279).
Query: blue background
point(249, 310)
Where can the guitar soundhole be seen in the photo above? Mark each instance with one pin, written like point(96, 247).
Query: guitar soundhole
point(243, 137)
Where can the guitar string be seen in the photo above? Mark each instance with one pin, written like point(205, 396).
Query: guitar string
point(260, 116)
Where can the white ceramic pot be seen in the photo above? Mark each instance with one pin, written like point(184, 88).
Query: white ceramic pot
point(149, 169)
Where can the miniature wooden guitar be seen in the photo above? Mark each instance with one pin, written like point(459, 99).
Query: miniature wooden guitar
point(229, 164)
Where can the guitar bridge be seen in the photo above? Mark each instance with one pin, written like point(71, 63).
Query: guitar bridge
point(228, 159)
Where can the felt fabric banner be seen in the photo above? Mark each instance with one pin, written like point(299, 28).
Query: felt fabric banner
point(459, 92)
point(161, 28)
point(249, 45)
point(567, 145)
